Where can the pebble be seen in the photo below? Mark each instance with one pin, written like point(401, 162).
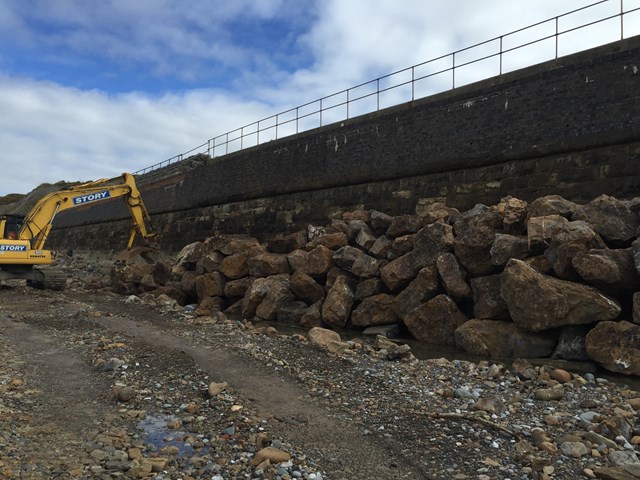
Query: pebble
point(560, 375)
point(574, 449)
point(549, 394)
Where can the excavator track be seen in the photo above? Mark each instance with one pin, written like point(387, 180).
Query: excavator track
point(49, 279)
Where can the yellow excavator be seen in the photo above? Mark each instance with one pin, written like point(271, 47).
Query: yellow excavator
point(23, 238)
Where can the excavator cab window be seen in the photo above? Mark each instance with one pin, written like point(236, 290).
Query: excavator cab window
point(12, 226)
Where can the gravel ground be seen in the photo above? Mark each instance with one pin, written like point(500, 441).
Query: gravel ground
point(93, 385)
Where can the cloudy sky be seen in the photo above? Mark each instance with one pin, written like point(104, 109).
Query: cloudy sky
point(89, 89)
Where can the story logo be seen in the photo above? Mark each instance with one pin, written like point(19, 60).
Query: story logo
point(13, 248)
point(92, 197)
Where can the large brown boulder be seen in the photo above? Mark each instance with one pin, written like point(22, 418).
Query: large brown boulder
point(381, 247)
point(379, 221)
point(566, 242)
point(267, 264)
point(611, 218)
point(435, 209)
point(122, 274)
point(506, 247)
point(209, 262)
point(238, 287)
point(430, 242)
point(551, 205)
point(453, 277)
point(332, 240)
point(375, 310)
point(473, 250)
point(312, 316)
point(421, 289)
point(635, 248)
point(400, 246)
point(612, 271)
point(278, 294)
point(188, 284)
point(496, 338)
point(540, 229)
point(210, 285)
point(319, 261)
point(191, 254)
point(287, 243)
point(403, 225)
point(253, 297)
point(435, 321)
point(615, 346)
point(236, 265)
point(354, 260)
point(474, 233)
point(368, 287)
point(298, 260)
point(305, 287)
point(487, 301)
point(571, 343)
point(232, 244)
point(514, 215)
point(360, 234)
point(337, 306)
point(538, 302)
point(636, 307)
point(399, 272)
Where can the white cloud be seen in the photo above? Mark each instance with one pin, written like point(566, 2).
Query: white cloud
point(56, 133)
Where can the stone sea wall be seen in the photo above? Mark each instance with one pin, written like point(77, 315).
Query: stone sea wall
point(515, 279)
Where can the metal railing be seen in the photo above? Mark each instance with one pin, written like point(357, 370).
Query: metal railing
point(445, 72)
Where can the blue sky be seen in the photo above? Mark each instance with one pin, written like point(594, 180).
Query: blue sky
point(89, 89)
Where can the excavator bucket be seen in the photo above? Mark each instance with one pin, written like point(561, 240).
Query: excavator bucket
point(139, 255)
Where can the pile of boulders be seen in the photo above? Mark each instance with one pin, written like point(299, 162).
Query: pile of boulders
point(549, 278)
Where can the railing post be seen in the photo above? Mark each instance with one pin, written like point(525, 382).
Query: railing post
point(453, 70)
point(258, 134)
point(348, 103)
point(277, 115)
point(556, 38)
point(413, 83)
point(241, 138)
point(297, 118)
point(500, 54)
point(320, 112)
point(377, 94)
point(621, 19)
point(226, 145)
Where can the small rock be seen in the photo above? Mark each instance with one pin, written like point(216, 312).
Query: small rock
point(560, 375)
point(216, 388)
point(274, 455)
point(126, 393)
point(574, 449)
point(548, 394)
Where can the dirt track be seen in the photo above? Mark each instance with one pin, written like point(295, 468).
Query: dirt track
point(65, 400)
point(66, 360)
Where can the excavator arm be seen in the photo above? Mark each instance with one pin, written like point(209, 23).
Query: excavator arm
point(38, 223)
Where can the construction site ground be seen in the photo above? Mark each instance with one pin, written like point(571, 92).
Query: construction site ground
point(96, 385)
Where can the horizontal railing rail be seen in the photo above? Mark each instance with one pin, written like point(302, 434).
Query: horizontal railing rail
point(318, 113)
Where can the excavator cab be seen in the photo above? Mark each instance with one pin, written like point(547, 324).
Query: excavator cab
point(10, 226)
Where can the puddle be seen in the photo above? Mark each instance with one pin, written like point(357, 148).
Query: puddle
point(157, 433)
